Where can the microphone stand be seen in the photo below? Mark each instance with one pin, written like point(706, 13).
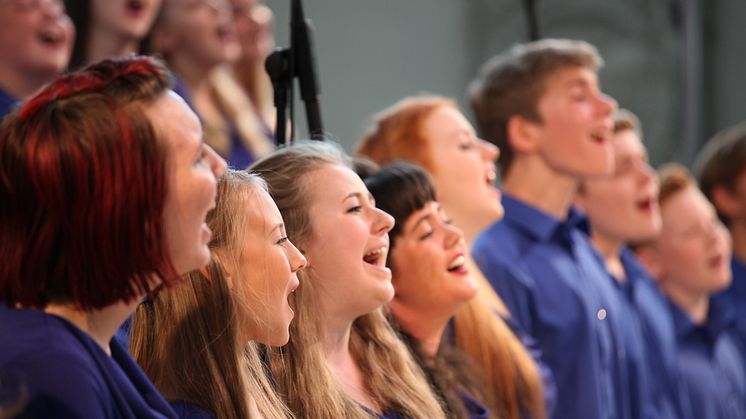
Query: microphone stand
point(298, 61)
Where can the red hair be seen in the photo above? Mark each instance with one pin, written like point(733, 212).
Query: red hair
point(396, 133)
point(82, 186)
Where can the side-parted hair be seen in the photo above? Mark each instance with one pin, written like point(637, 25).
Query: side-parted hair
point(722, 161)
point(673, 178)
point(191, 341)
point(401, 189)
point(397, 132)
point(511, 84)
point(510, 374)
point(83, 186)
point(394, 380)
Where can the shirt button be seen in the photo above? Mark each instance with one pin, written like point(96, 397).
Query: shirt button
point(601, 314)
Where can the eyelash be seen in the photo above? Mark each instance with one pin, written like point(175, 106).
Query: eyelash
point(356, 208)
point(427, 235)
point(282, 240)
point(201, 156)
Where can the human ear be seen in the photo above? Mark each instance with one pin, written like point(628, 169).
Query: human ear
point(725, 201)
point(522, 134)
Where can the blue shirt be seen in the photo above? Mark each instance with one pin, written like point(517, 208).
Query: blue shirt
point(556, 287)
point(657, 387)
point(734, 297)
point(711, 364)
point(6, 103)
point(66, 374)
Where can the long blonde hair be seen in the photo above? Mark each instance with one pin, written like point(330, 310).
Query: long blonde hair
point(394, 381)
point(189, 341)
point(511, 375)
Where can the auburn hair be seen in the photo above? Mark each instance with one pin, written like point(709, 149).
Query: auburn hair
point(82, 186)
point(511, 377)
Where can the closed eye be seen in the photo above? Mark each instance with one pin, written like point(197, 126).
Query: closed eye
point(356, 208)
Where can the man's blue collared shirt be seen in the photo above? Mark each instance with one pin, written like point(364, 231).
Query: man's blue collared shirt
point(734, 297)
point(556, 287)
point(657, 388)
point(711, 364)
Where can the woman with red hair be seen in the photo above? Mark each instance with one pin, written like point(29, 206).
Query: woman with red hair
point(105, 184)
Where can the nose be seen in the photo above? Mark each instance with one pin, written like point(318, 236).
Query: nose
point(217, 163)
point(647, 174)
point(53, 8)
point(383, 222)
point(607, 104)
point(490, 152)
point(297, 260)
point(453, 235)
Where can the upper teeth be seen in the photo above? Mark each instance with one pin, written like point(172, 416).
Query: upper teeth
point(491, 176)
point(456, 263)
point(379, 251)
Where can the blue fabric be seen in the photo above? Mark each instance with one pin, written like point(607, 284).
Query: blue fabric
point(711, 364)
point(67, 375)
point(186, 410)
point(734, 297)
point(475, 409)
point(6, 103)
point(556, 287)
point(240, 157)
point(657, 389)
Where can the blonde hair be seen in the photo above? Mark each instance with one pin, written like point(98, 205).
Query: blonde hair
point(189, 341)
point(394, 381)
point(510, 374)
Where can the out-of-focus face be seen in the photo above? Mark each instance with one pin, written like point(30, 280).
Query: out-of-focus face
point(623, 207)
point(36, 36)
point(200, 32)
point(576, 126)
point(694, 248)
point(129, 19)
point(347, 251)
point(268, 266)
point(254, 28)
point(428, 264)
point(463, 169)
point(192, 169)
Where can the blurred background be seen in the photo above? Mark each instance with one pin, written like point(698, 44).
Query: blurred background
point(678, 64)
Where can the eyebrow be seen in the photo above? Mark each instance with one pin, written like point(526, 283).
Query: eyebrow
point(352, 195)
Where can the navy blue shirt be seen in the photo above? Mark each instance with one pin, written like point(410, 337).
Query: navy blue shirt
point(734, 297)
point(6, 103)
point(66, 374)
point(711, 364)
point(556, 287)
point(658, 391)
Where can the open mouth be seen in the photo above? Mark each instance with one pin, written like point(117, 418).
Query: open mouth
point(715, 261)
point(135, 6)
point(50, 37)
point(224, 32)
point(458, 265)
point(599, 137)
point(376, 257)
point(490, 178)
point(645, 204)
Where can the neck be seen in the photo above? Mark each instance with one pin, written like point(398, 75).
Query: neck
point(99, 324)
point(20, 83)
point(531, 181)
point(738, 232)
point(103, 44)
point(194, 74)
point(426, 327)
point(610, 250)
point(695, 304)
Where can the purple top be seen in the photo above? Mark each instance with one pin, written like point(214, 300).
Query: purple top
point(55, 370)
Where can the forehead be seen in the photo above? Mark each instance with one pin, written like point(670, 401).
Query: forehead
point(565, 78)
point(430, 207)
point(685, 206)
point(445, 121)
point(331, 183)
point(176, 124)
point(262, 211)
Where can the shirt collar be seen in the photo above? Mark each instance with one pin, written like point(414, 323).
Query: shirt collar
point(719, 318)
point(537, 223)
